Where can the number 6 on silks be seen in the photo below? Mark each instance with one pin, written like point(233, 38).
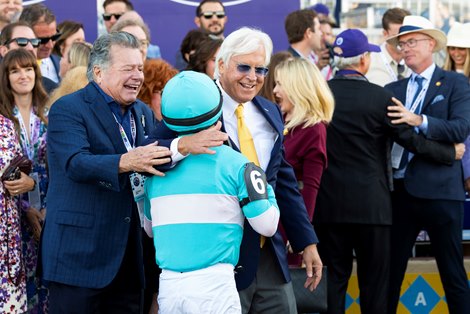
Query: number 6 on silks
point(255, 181)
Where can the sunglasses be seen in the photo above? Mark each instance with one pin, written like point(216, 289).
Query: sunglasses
point(209, 14)
point(45, 40)
point(23, 42)
point(245, 69)
point(108, 16)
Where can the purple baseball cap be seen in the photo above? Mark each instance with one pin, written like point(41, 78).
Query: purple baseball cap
point(321, 8)
point(351, 43)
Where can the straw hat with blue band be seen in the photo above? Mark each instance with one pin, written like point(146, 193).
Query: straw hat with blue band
point(419, 24)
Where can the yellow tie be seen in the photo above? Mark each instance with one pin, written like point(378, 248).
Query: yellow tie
point(247, 146)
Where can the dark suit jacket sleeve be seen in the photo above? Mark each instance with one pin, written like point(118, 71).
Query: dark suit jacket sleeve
point(456, 106)
point(407, 137)
point(68, 134)
point(162, 134)
point(416, 143)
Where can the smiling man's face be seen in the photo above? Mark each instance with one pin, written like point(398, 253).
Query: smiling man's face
point(123, 78)
point(242, 87)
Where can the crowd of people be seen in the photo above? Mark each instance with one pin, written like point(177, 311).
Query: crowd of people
point(195, 187)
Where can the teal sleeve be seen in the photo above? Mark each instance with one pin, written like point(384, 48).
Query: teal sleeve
point(257, 207)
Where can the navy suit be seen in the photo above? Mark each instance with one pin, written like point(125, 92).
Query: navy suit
point(56, 63)
point(91, 214)
point(294, 218)
point(431, 195)
point(294, 52)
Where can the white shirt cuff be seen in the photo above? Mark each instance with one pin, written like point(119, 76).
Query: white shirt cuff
point(176, 156)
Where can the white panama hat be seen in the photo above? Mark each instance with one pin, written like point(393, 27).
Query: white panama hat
point(459, 35)
point(419, 24)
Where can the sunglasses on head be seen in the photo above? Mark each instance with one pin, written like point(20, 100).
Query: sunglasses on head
point(210, 14)
point(23, 42)
point(108, 16)
point(45, 40)
point(245, 69)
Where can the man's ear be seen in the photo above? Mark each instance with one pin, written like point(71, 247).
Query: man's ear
point(97, 73)
point(433, 43)
point(221, 66)
point(197, 21)
point(3, 51)
point(307, 33)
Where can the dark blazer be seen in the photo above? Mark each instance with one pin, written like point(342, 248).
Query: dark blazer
point(48, 84)
point(447, 107)
point(294, 216)
point(56, 62)
point(354, 188)
point(294, 52)
point(89, 203)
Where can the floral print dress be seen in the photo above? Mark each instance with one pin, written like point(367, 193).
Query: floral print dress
point(12, 274)
point(34, 147)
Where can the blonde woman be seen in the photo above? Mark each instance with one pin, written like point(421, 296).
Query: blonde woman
point(458, 49)
point(307, 104)
point(77, 55)
point(458, 60)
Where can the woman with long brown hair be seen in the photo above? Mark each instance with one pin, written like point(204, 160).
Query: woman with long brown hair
point(23, 101)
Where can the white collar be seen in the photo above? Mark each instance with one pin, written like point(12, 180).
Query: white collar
point(229, 105)
point(427, 74)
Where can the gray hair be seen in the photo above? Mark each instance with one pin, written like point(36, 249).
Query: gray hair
point(242, 42)
point(100, 53)
point(342, 63)
point(123, 23)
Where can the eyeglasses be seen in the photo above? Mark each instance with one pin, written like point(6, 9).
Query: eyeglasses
point(23, 42)
point(411, 43)
point(245, 69)
point(45, 40)
point(108, 16)
point(209, 14)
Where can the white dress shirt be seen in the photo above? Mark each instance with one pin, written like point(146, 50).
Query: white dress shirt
point(264, 135)
point(48, 70)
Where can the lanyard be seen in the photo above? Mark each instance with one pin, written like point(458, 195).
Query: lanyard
point(418, 99)
point(125, 139)
point(392, 73)
point(27, 140)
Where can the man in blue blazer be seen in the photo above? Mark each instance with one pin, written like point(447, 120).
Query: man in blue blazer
point(262, 273)
point(91, 244)
point(428, 195)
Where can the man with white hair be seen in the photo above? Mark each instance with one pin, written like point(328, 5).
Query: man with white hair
point(255, 128)
point(429, 196)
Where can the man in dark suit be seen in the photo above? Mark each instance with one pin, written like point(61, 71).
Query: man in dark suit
point(91, 244)
point(43, 22)
point(305, 37)
point(262, 274)
point(429, 196)
point(354, 210)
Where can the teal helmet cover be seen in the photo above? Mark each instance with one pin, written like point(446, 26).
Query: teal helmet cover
point(191, 101)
